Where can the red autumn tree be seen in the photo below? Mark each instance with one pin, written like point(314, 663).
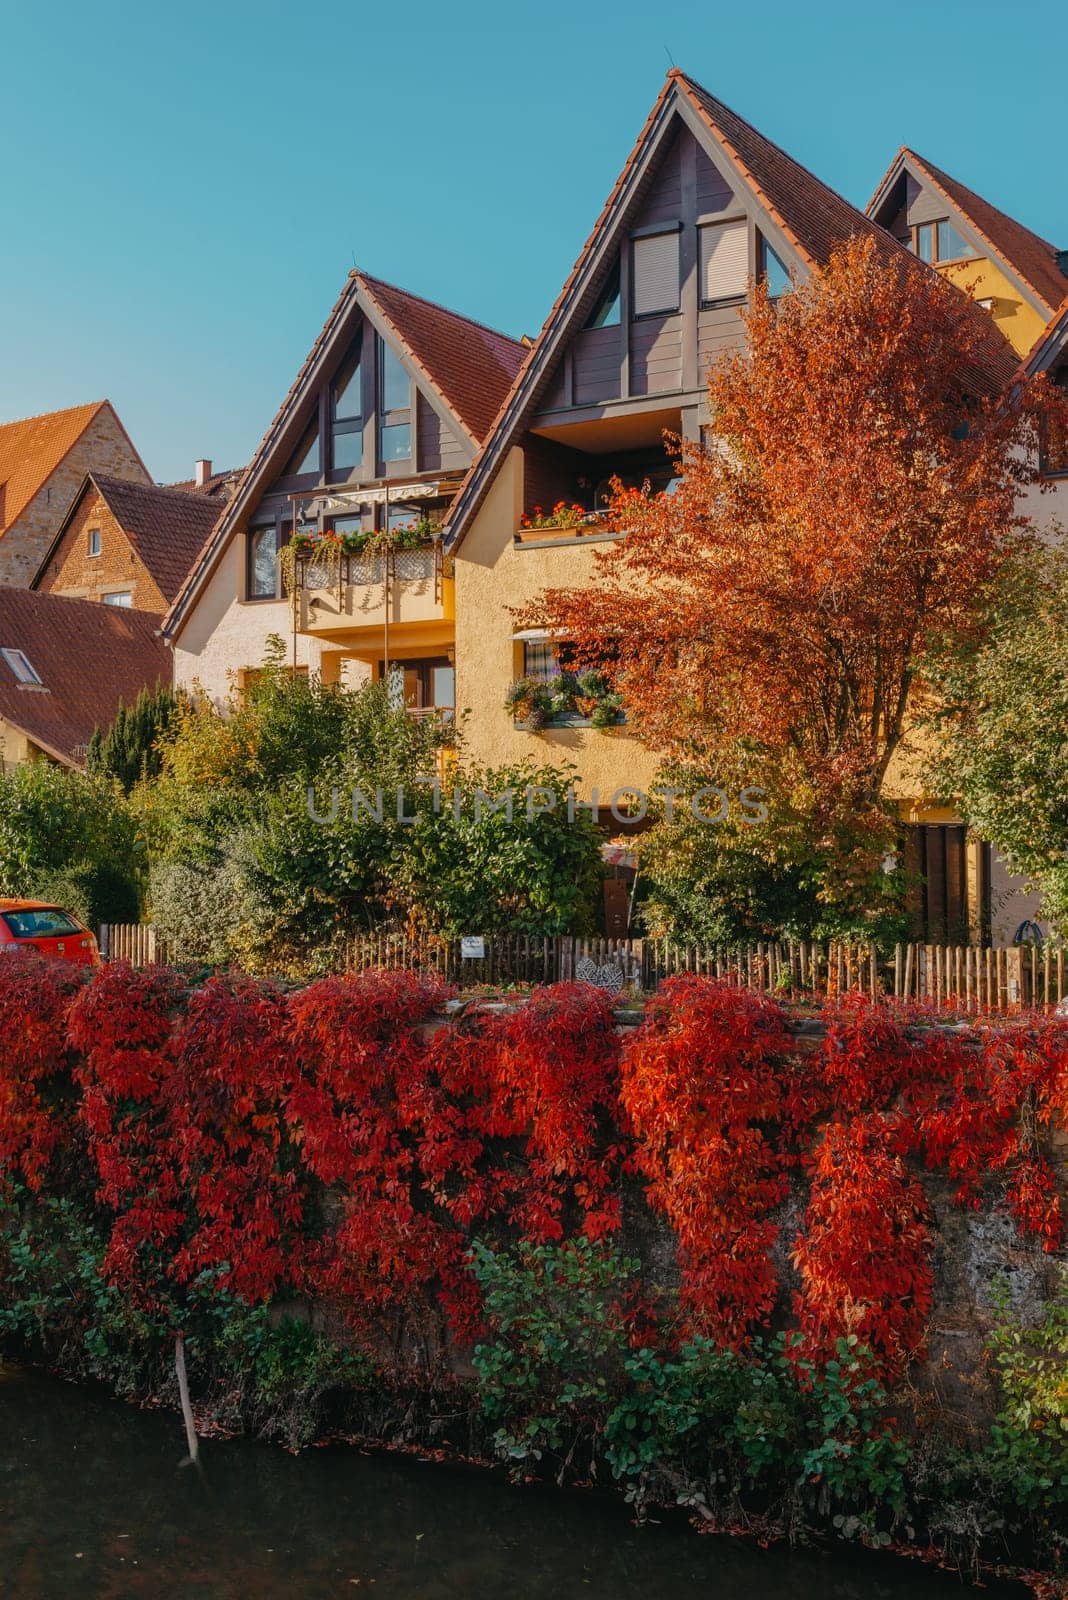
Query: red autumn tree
point(854, 500)
point(183, 1101)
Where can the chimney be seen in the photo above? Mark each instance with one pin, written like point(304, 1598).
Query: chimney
point(203, 473)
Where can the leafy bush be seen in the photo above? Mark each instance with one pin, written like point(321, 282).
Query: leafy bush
point(63, 833)
point(1029, 1437)
point(561, 1315)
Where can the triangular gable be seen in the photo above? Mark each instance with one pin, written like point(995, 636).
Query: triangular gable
point(33, 448)
point(800, 217)
point(428, 341)
point(1027, 260)
point(167, 527)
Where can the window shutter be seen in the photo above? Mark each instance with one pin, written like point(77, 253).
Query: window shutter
point(724, 260)
point(656, 273)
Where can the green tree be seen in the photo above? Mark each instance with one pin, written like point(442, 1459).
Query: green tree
point(129, 749)
point(70, 837)
point(1002, 725)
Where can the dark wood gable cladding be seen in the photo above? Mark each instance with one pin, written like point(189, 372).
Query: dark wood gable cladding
point(341, 435)
point(644, 353)
point(665, 302)
point(368, 421)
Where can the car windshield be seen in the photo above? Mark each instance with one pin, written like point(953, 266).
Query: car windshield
point(39, 922)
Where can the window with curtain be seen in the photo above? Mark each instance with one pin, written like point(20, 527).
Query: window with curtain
point(540, 659)
point(263, 563)
point(724, 260)
point(656, 273)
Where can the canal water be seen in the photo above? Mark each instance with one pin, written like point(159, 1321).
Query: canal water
point(93, 1504)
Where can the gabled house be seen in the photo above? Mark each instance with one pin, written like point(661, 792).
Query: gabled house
point(127, 544)
point(64, 667)
point(704, 205)
point(43, 460)
point(381, 423)
point(1020, 277)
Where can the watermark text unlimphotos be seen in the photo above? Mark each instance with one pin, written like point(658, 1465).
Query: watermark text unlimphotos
point(627, 804)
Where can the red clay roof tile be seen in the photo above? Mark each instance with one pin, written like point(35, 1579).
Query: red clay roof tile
point(88, 657)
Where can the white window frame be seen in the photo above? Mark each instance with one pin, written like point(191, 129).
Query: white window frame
point(95, 542)
point(23, 668)
point(122, 599)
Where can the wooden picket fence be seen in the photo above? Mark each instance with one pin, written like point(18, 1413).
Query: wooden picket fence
point(968, 978)
point(138, 943)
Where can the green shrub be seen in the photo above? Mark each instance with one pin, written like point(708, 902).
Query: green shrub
point(63, 834)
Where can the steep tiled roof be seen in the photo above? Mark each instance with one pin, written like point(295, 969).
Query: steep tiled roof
point(88, 657)
point(434, 339)
point(471, 366)
point(167, 527)
point(813, 217)
point(31, 450)
point(1033, 259)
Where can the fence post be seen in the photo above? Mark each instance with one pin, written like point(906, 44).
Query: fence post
point(1017, 975)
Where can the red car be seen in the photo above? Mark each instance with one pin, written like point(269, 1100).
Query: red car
point(35, 925)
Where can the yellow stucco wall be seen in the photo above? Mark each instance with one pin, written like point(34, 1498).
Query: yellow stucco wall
point(492, 575)
point(223, 633)
point(983, 280)
point(14, 746)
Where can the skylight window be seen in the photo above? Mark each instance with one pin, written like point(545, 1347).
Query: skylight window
point(22, 667)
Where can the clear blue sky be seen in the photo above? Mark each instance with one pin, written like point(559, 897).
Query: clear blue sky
point(186, 185)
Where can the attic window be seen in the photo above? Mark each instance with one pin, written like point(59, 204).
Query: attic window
point(774, 271)
point(94, 541)
point(305, 459)
point(394, 407)
point(346, 416)
point(21, 666)
point(941, 241)
point(724, 261)
point(605, 313)
point(656, 274)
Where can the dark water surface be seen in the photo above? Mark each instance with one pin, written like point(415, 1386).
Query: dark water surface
point(93, 1504)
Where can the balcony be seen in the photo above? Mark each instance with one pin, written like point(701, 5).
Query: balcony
point(377, 602)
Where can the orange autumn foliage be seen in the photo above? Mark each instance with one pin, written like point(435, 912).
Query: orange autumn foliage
point(855, 498)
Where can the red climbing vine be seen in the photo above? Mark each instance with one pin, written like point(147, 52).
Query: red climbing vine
point(713, 1108)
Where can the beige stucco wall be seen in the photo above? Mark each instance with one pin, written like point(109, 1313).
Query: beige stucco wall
point(223, 633)
point(492, 575)
point(103, 447)
point(14, 746)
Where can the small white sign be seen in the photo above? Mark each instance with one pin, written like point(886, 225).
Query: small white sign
point(473, 947)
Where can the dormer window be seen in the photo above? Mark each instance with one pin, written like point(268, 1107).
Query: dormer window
point(20, 664)
point(656, 273)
